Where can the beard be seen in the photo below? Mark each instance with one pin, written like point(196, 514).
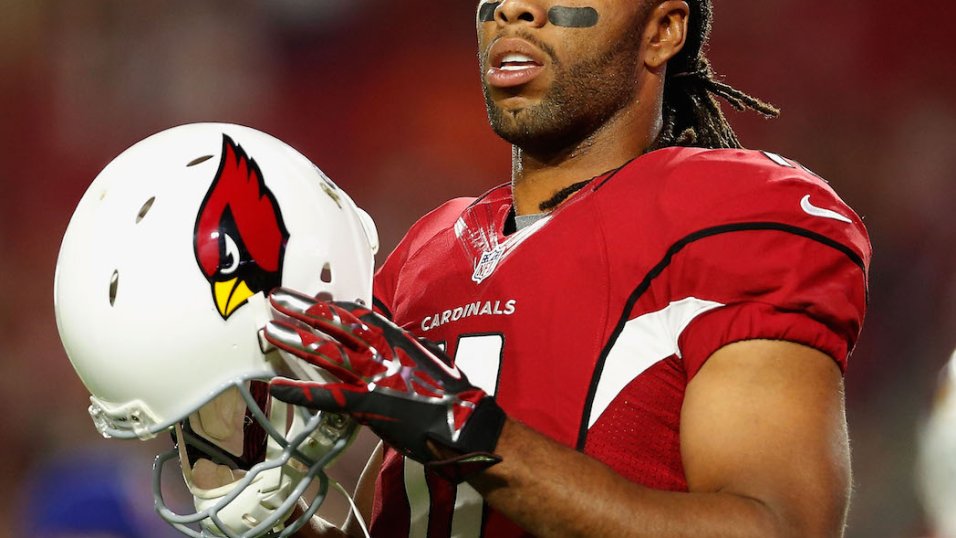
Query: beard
point(582, 98)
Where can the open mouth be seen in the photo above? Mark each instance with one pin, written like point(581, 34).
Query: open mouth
point(513, 62)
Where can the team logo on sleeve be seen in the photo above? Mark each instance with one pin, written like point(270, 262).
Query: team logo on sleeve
point(240, 236)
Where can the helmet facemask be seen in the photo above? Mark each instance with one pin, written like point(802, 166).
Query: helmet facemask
point(246, 459)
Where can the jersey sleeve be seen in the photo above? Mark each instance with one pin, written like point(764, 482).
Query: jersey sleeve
point(784, 258)
point(777, 284)
point(734, 245)
point(387, 276)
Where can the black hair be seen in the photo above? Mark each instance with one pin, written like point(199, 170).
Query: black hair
point(691, 112)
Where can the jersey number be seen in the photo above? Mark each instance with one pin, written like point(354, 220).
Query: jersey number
point(479, 357)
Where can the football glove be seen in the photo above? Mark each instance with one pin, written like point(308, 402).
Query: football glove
point(406, 392)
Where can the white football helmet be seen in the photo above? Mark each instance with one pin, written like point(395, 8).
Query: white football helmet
point(936, 460)
point(160, 297)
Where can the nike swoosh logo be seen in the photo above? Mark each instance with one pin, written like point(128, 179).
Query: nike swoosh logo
point(815, 211)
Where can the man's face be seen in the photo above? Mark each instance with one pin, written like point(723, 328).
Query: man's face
point(549, 83)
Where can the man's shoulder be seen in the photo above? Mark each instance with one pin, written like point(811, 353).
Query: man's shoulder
point(442, 219)
point(715, 171)
point(695, 188)
point(671, 196)
point(447, 214)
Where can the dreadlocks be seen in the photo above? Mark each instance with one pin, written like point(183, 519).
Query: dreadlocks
point(692, 115)
point(691, 112)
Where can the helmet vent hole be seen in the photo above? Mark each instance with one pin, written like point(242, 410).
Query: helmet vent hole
point(114, 284)
point(324, 296)
point(145, 209)
point(199, 160)
point(326, 275)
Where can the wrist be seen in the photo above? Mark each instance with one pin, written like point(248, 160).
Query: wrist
point(474, 449)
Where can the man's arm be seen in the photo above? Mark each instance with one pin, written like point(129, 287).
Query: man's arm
point(763, 433)
point(764, 446)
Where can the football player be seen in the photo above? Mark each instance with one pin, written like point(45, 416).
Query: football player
point(643, 333)
point(936, 460)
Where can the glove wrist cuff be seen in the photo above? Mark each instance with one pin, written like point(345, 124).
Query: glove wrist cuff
point(475, 450)
point(484, 427)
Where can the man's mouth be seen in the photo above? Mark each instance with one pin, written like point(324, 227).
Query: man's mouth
point(516, 62)
point(513, 62)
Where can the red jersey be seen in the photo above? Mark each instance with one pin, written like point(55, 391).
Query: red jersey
point(588, 324)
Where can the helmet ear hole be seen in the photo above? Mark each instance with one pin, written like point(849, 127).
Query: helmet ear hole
point(114, 285)
point(145, 209)
point(326, 275)
point(198, 160)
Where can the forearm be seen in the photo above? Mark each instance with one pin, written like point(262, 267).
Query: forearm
point(551, 490)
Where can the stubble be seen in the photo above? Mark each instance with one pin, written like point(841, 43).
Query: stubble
point(584, 96)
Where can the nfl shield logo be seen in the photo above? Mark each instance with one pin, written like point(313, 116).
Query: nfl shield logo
point(487, 264)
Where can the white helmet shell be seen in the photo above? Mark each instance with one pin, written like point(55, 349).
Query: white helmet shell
point(136, 313)
point(162, 274)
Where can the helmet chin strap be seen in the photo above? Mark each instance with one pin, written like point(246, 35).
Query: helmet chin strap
point(209, 482)
point(352, 507)
point(224, 431)
point(237, 503)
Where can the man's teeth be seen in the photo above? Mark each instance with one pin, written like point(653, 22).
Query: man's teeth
point(515, 61)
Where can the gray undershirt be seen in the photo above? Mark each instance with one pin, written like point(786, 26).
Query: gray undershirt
point(523, 221)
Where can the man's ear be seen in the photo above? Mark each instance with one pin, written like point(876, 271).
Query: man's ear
point(665, 32)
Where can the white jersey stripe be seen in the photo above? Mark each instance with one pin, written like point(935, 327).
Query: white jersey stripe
point(479, 356)
point(466, 521)
point(645, 340)
point(419, 500)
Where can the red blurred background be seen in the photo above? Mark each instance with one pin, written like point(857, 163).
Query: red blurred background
point(385, 97)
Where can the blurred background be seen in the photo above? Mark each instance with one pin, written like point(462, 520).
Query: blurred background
point(385, 97)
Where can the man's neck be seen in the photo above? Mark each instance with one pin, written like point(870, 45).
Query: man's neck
point(536, 178)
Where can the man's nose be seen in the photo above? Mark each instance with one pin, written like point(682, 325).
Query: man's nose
point(526, 12)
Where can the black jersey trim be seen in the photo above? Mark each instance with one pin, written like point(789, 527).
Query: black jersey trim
point(645, 284)
point(377, 303)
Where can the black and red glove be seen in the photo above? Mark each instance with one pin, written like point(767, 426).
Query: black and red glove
point(407, 393)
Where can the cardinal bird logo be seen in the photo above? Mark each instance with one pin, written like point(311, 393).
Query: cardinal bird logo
point(240, 237)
